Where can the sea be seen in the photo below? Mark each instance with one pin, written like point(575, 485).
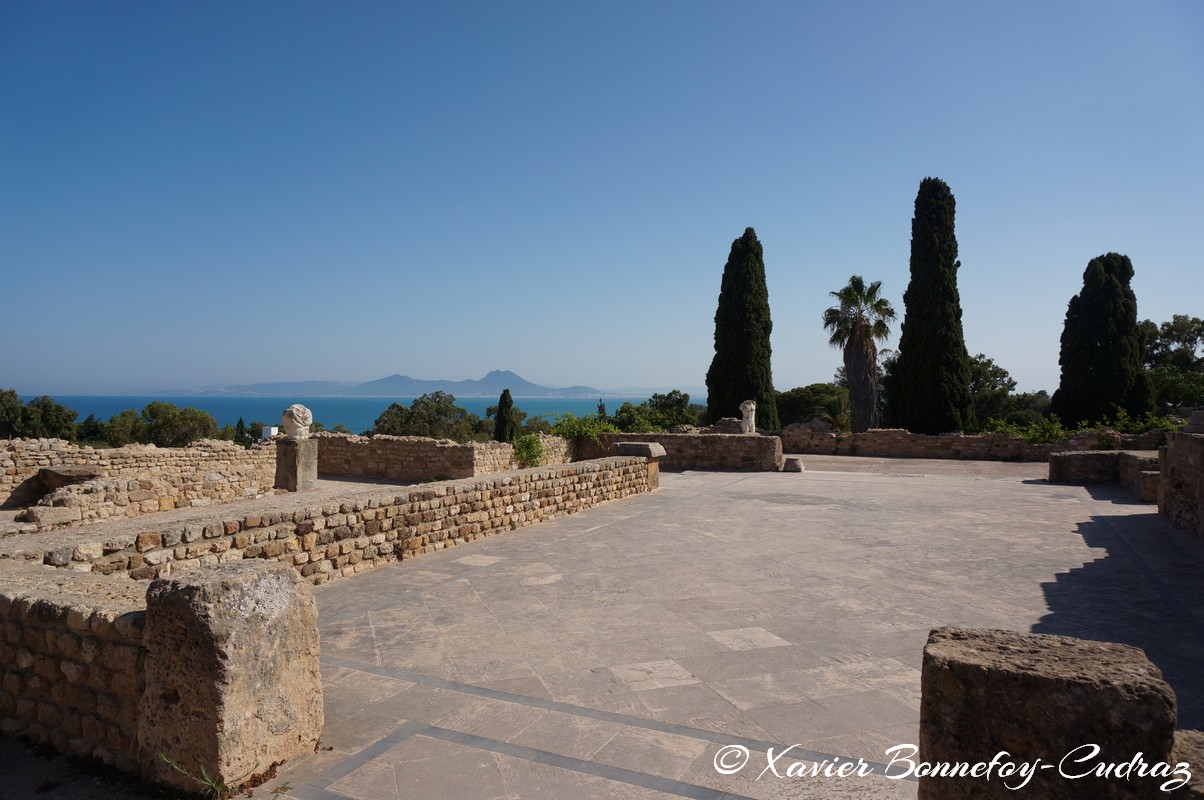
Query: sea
point(358, 414)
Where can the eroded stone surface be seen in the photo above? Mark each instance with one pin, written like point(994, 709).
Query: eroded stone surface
point(232, 674)
point(1040, 697)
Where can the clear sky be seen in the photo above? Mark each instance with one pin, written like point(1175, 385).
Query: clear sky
point(200, 193)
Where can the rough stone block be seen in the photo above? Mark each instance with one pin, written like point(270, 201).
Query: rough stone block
point(296, 464)
point(1041, 697)
point(1189, 749)
point(49, 516)
point(1084, 466)
point(793, 464)
point(232, 674)
point(645, 449)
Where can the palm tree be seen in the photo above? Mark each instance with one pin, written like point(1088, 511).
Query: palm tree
point(861, 318)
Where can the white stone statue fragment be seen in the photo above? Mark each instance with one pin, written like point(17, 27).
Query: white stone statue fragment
point(296, 421)
point(749, 409)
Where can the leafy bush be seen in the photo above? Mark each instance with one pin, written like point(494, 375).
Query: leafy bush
point(434, 415)
point(528, 450)
point(578, 429)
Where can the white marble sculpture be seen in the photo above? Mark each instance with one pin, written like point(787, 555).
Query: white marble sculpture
point(296, 421)
point(749, 409)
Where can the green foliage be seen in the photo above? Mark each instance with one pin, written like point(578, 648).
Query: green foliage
point(582, 429)
point(241, 435)
point(669, 409)
point(210, 787)
point(434, 415)
point(1101, 354)
point(128, 427)
point(990, 389)
point(535, 424)
point(168, 425)
point(45, 419)
point(1041, 430)
point(11, 409)
point(861, 319)
point(631, 418)
point(928, 388)
point(1174, 362)
point(528, 450)
point(805, 403)
point(1050, 429)
point(90, 431)
point(601, 408)
point(741, 367)
point(505, 426)
point(40, 418)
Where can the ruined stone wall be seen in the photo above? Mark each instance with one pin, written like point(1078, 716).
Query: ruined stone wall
point(135, 479)
point(735, 452)
point(491, 457)
point(1139, 474)
point(101, 666)
point(402, 459)
point(413, 459)
point(71, 660)
point(370, 528)
point(1181, 494)
point(899, 443)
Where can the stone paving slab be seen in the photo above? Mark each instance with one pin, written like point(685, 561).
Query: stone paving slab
point(617, 653)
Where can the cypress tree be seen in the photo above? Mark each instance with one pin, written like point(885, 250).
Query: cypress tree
point(929, 385)
point(741, 368)
point(504, 428)
point(1101, 354)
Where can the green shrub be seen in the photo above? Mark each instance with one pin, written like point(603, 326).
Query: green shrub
point(578, 429)
point(528, 450)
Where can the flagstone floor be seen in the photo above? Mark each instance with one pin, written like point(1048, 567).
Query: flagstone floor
point(659, 647)
point(645, 649)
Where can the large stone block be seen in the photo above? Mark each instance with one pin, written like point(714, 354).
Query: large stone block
point(1048, 700)
point(296, 464)
point(232, 672)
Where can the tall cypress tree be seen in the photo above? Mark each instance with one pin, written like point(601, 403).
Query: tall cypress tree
point(1101, 353)
point(504, 427)
point(741, 368)
point(929, 386)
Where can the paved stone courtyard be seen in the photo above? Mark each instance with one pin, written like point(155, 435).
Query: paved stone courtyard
point(618, 652)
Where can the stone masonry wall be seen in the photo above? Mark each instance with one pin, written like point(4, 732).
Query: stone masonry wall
point(412, 459)
point(403, 459)
point(1181, 494)
point(899, 443)
point(736, 452)
point(137, 479)
point(71, 660)
point(369, 528)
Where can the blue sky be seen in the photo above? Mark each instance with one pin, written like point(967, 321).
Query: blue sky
point(224, 192)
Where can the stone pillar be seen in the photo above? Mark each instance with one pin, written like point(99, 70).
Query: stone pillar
point(652, 451)
point(1041, 697)
point(232, 674)
point(296, 464)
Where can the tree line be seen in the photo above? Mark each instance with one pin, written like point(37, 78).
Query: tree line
point(1114, 369)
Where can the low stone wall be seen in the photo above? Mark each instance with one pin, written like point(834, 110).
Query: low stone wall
point(1181, 494)
point(1137, 472)
point(734, 452)
point(412, 459)
point(102, 666)
point(134, 480)
point(72, 660)
point(1140, 475)
point(898, 443)
point(369, 528)
point(1052, 698)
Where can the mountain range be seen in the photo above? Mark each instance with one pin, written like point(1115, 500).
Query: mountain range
point(404, 386)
